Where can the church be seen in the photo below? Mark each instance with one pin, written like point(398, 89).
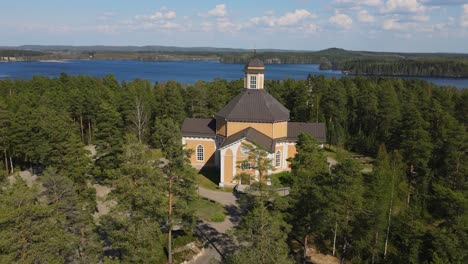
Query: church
point(254, 116)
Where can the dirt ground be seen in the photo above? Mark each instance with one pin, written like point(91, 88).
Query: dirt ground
point(319, 258)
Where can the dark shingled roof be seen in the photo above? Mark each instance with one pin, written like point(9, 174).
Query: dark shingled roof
point(254, 105)
point(317, 130)
point(255, 62)
point(254, 136)
point(201, 127)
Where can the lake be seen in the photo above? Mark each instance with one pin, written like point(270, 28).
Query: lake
point(181, 71)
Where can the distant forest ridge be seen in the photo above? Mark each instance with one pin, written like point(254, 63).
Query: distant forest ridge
point(351, 62)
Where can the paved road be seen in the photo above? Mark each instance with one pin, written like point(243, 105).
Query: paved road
point(224, 198)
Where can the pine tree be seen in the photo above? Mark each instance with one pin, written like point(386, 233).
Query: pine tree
point(30, 231)
point(134, 225)
point(308, 195)
point(108, 135)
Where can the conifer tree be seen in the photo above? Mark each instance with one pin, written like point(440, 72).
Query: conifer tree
point(108, 135)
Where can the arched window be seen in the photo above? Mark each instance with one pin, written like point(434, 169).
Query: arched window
point(278, 159)
point(200, 154)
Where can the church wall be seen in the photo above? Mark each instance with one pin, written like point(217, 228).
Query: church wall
point(273, 130)
point(265, 128)
point(228, 170)
point(209, 149)
point(220, 127)
point(280, 129)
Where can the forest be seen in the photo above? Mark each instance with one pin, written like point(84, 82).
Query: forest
point(352, 62)
point(412, 207)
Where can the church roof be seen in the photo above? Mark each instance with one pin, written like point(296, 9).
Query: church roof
point(255, 62)
point(317, 130)
point(254, 105)
point(199, 127)
point(253, 136)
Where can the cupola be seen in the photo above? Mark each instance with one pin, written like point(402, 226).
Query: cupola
point(254, 74)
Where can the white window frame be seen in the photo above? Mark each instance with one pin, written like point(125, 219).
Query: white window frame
point(278, 159)
point(253, 81)
point(200, 153)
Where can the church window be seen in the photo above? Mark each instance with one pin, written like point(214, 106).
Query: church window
point(245, 165)
point(253, 82)
point(278, 159)
point(200, 154)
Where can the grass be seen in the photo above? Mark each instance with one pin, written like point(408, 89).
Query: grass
point(340, 153)
point(208, 210)
point(209, 179)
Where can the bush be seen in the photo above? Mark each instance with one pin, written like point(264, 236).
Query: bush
point(218, 218)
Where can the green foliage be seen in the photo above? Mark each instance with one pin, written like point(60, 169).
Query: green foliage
point(31, 231)
point(45, 123)
point(108, 141)
point(263, 234)
point(218, 218)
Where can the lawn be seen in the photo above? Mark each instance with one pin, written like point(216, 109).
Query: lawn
point(209, 179)
point(209, 211)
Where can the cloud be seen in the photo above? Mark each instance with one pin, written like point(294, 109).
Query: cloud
point(341, 20)
point(158, 16)
point(218, 11)
point(288, 19)
point(464, 17)
point(293, 18)
point(403, 6)
point(365, 17)
point(443, 2)
point(358, 3)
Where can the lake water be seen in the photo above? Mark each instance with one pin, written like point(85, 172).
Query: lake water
point(181, 71)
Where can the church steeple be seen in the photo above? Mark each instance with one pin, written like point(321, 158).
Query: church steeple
point(253, 74)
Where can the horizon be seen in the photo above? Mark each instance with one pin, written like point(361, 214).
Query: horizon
point(407, 26)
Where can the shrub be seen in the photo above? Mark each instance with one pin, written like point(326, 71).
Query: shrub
point(218, 218)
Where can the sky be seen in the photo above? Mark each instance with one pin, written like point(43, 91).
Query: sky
point(375, 25)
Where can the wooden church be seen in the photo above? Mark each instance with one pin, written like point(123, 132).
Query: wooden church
point(253, 116)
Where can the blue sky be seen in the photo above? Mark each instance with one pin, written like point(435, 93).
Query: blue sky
point(378, 25)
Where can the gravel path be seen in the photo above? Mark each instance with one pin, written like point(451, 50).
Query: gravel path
point(224, 198)
point(215, 234)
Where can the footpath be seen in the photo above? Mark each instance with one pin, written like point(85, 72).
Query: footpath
point(220, 244)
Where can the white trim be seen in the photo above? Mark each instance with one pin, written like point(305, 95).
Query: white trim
point(198, 138)
point(285, 156)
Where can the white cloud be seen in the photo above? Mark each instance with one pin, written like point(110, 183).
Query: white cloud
point(157, 16)
point(218, 11)
point(358, 2)
point(365, 17)
point(403, 6)
point(464, 17)
point(288, 19)
point(341, 20)
point(294, 17)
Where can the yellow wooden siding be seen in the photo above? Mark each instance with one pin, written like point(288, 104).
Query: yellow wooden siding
point(228, 166)
point(209, 149)
point(273, 130)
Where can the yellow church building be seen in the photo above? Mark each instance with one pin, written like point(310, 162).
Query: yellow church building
point(253, 116)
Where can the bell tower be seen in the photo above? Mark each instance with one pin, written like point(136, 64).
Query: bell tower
point(254, 74)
